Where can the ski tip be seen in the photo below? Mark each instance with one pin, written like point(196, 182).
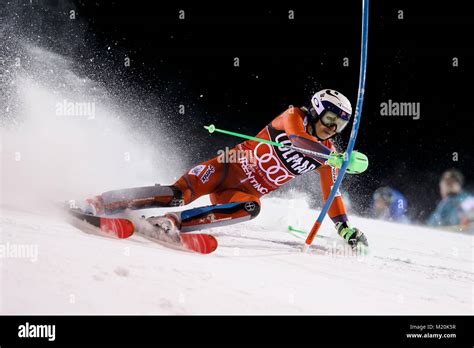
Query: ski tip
point(212, 243)
point(120, 228)
point(113, 226)
point(201, 243)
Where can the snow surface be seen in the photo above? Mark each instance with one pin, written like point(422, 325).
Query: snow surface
point(257, 269)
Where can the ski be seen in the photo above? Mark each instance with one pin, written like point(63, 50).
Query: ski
point(114, 226)
point(120, 227)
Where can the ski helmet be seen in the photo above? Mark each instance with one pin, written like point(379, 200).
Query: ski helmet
point(331, 108)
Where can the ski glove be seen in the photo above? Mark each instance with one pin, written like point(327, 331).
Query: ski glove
point(358, 162)
point(335, 159)
point(352, 235)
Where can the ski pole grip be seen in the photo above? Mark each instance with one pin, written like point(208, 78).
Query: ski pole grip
point(211, 128)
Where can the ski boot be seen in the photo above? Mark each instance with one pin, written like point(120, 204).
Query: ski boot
point(354, 237)
point(166, 228)
point(93, 206)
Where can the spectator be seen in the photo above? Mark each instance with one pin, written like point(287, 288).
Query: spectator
point(389, 204)
point(450, 211)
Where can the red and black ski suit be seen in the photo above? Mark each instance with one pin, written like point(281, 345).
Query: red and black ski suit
point(262, 168)
point(235, 187)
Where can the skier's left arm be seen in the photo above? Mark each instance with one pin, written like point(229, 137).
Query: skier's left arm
point(337, 211)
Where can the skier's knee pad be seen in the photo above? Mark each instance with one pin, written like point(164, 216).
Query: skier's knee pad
point(178, 199)
point(219, 215)
point(253, 208)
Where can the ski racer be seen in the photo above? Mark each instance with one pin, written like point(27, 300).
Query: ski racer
point(235, 188)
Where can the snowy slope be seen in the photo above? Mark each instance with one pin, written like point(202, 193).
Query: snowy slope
point(257, 269)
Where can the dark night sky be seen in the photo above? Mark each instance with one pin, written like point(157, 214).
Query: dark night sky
point(284, 62)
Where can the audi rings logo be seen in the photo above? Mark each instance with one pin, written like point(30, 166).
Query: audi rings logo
point(271, 165)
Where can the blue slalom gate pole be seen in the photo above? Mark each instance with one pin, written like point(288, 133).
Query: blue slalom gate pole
point(355, 126)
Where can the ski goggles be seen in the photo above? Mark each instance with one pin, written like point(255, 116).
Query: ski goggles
point(329, 119)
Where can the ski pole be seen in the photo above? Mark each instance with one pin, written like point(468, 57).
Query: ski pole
point(291, 229)
point(211, 128)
